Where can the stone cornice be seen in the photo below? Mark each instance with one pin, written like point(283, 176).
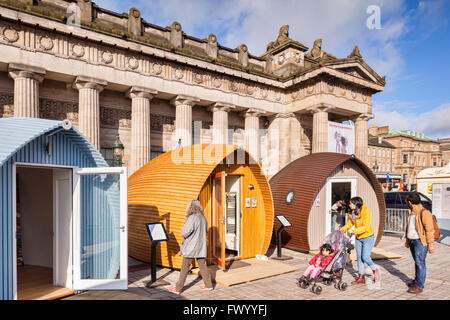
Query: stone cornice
point(144, 49)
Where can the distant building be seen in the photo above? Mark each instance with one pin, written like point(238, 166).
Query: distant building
point(381, 159)
point(414, 151)
point(445, 149)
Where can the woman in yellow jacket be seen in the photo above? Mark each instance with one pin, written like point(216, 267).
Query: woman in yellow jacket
point(361, 219)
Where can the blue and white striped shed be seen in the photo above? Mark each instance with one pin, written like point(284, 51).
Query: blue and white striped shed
point(26, 140)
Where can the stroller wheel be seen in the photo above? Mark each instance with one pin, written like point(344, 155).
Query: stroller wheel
point(343, 286)
point(328, 282)
point(302, 283)
point(317, 290)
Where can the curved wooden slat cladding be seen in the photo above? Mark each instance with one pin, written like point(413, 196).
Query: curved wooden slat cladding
point(307, 176)
point(160, 190)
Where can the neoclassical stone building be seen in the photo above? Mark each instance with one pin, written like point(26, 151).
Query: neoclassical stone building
point(115, 73)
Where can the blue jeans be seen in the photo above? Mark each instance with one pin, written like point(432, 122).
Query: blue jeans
point(363, 249)
point(419, 253)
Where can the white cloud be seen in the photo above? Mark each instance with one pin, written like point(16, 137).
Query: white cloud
point(434, 123)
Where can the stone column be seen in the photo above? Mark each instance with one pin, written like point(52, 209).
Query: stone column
point(140, 126)
point(220, 122)
point(89, 107)
point(362, 135)
point(183, 119)
point(252, 132)
point(285, 138)
point(320, 128)
point(26, 89)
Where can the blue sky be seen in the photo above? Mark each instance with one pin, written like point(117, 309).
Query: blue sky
point(411, 48)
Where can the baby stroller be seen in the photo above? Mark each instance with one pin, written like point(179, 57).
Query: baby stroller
point(333, 272)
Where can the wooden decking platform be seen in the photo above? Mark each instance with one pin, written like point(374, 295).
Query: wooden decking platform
point(252, 270)
point(36, 283)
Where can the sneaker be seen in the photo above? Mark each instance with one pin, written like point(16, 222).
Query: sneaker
point(174, 290)
point(206, 288)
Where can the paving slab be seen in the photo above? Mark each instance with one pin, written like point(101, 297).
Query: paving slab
point(395, 274)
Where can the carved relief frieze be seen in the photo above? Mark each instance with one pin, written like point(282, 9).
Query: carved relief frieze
point(106, 56)
point(121, 59)
point(6, 105)
point(132, 63)
point(58, 110)
point(112, 117)
point(10, 34)
point(45, 43)
point(158, 122)
point(216, 82)
point(249, 89)
point(77, 50)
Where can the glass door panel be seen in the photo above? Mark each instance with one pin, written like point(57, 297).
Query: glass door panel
point(100, 229)
point(218, 222)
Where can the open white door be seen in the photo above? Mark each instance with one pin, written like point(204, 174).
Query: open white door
point(100, 229)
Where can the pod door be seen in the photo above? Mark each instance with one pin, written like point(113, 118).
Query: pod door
point(232, 217)
point(227, 216)
point(100, 229)
point(339, 193)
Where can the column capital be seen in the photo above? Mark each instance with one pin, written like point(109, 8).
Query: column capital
point(221, 106)
point(18, 70)
point(363, 117)
point(140, 92)
point(319, 108)
point(253, 112)
point(184, 100)
point(83, 82)
point(285, 115)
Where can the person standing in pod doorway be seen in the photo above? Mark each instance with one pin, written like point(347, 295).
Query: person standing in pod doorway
point(194, 246)
point(361, 219)
point(419, 239)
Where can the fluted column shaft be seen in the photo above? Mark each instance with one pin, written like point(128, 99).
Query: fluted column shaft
point(26, 90)
point(320, 129)
point(140, 126)
point(183, 119)
point(89, 108)
point(252, 133)
point(362, 135)
point(220, 122)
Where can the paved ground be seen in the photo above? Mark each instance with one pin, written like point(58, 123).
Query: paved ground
point(394, 276)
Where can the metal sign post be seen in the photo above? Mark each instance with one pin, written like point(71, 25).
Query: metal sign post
point(284, 223)
point(157, 233)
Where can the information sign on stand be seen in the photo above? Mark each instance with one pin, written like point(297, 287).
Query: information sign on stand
point(157, 233)
point(284, 223)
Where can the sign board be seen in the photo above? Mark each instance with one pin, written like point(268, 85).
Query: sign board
point(441, 200)
point(341, 138)
point(283, 221)
point(157, 232)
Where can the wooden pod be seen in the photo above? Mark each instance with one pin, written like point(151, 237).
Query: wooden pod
point(160, 191)
point(311, 179)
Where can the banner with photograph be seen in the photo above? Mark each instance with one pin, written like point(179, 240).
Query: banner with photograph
point(341, 138)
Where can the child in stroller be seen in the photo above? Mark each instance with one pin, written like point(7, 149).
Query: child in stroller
point(333, 270)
